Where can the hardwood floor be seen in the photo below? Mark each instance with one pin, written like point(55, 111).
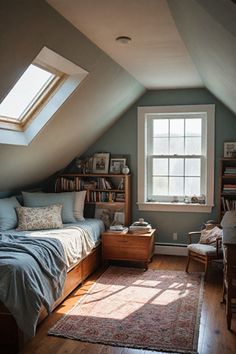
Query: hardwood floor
point(214, 338)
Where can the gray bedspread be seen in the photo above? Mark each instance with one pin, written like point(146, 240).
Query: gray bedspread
point(36, 268)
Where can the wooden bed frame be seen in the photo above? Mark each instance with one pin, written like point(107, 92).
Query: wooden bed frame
point(11, 337)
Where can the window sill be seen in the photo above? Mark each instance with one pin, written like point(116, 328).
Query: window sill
point(175, 207)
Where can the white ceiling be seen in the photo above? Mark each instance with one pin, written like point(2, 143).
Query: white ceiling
point(157, 56)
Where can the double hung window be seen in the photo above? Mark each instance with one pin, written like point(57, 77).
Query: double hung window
point(176, 158)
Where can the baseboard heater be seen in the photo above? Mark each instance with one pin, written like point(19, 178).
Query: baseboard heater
point(173, 249)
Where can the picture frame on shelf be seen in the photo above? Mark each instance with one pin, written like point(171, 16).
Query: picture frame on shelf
point(101, 162)
point(230, 149)
point(116, 165)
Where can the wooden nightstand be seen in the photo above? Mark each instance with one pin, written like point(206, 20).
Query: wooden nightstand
point(134, 247)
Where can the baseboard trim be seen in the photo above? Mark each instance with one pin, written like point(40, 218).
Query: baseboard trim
point(171, 249)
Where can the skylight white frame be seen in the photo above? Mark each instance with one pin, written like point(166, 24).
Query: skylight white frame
point(30, 112)
point(143, 204)
point(74, 75)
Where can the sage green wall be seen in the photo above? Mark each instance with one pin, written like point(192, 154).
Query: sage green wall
point(121, 139)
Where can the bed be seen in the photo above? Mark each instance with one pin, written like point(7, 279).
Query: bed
point(45, 266)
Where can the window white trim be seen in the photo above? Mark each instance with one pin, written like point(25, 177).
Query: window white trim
point(209, 111)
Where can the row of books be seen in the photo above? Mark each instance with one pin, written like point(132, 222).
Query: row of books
point(230, 170)
point(228, 204)
point(78, 183)
point(95, 196)
point(229, 188)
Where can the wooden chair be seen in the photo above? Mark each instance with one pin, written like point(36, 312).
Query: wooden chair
point(204, 253)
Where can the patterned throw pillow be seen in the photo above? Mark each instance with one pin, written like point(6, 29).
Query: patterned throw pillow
point(39, 218)
point(210, 236)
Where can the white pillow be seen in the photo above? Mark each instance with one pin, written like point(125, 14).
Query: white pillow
point(79, 205)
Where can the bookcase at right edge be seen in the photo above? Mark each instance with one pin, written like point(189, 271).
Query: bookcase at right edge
point(227, 186)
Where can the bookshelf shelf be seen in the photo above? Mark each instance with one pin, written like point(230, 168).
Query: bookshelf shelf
point(227, 185)
point(110, 193)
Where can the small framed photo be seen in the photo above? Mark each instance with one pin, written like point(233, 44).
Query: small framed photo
point(101, 162)
point(230, 149)
point(117, 164)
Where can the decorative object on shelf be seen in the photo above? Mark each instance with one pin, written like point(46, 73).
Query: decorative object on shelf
point(117, 165)
point(230, 149)
point(140, 226)
point(194, 199)
point(79, 163)
point(101, 162)
point(125, 170)
point(119, 218)
point(202, 199)
point(175, 199)
point(186, 200)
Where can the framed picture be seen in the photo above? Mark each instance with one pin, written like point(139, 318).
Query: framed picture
point(101, 162)
point(230, 149)
point(116, 165)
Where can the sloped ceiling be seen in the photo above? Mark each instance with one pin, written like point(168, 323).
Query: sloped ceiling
point(175, 44)
point(108, 90)
point(157, 56)
point(208, 29)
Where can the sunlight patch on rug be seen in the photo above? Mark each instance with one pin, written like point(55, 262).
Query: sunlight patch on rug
point(155, 309)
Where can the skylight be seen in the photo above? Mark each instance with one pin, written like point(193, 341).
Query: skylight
point(26, 91)
point(37, 95)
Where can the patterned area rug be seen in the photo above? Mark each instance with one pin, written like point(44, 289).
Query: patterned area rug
point(157, 310)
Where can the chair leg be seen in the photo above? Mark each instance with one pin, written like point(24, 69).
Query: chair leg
point(206, 268)
point(187, 265)
point(228, 310)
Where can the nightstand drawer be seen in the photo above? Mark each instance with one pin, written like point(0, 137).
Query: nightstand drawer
point(127, 247)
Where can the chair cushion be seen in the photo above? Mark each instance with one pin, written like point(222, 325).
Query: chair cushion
point(203, 249)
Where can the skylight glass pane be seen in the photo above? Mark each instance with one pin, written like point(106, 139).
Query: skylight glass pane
point(31, 84)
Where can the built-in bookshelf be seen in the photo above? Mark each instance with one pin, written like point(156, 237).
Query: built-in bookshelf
point(108, 194)
point(227, 185)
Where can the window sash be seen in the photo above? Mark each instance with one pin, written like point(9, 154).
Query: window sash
point(150, 156)
point(167, 198)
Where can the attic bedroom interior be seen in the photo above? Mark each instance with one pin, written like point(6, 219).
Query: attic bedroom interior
point(118, 176)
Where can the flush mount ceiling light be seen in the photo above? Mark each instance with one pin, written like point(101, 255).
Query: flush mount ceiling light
point(123, 39)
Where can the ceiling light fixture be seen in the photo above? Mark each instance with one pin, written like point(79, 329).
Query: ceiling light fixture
point(123, 39)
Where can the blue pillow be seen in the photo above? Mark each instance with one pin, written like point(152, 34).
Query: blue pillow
point(8, 216)
point(40, 199)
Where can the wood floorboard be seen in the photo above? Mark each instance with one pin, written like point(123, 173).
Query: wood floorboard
point(214, 338)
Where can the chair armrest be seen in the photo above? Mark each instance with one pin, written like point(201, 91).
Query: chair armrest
point(193, 233)
point(218, 244)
